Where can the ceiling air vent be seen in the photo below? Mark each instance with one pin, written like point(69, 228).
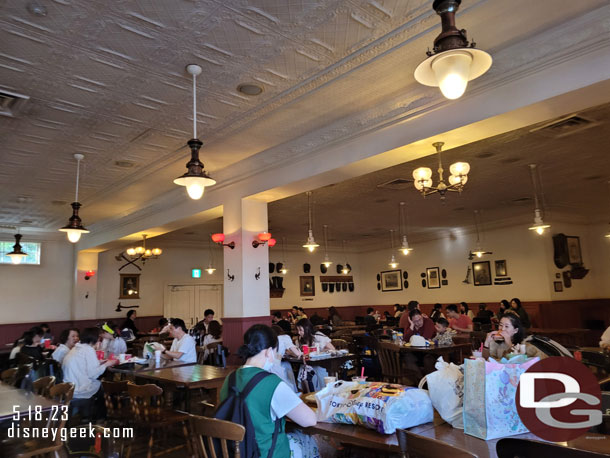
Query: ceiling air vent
point(11, 103)
point(397, 184)
point(565, 126)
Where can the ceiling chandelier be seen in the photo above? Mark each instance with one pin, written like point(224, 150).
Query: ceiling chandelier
point(539, 226)
point(210, 269)
point(74, 228)
point(196, 178)
point(458, 178)
point(402, 227)
point(17, 255)
point(138, 253)
point(453, 60)
point(327, 262)
point(311, 244)
point(478, 252)
point(393, 264)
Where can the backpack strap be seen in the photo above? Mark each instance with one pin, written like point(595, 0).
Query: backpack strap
point(252, 382)
point(276, 433)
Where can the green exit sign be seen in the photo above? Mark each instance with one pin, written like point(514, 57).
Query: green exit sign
point(196, 273)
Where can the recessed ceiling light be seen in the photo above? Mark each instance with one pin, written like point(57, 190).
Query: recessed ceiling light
point(249, 89)
point(37, 9)
point(124, 164)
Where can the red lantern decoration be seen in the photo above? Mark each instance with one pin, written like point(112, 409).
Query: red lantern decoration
point(271, 242)
point(264, 236)
point(89, 274)
point(218, 238)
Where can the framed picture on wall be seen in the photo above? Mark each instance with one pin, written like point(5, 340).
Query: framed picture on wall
point(481, 272)
point(574, 254)
point(391, 280)
point(558, 286)
point(307, 285)
point(434, 278)
point(501, 268)
point(129, 287)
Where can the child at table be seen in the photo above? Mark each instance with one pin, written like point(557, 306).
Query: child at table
point(443, 334)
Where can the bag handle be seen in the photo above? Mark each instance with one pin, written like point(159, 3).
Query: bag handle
point(422, 382)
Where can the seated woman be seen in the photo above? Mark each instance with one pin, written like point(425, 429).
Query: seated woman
point(307, 336)
point(81, 367)
point(283, 369)
point(214, 335)
point(509, 338)
point(67, 339)
point(334, 317)
point(31, 344)
point(271, 399)
point(111, 342)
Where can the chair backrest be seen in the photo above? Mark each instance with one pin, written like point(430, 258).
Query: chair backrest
point(114, 396)
point(62, 392)
point(524, 448)
point(416, 446)
point(42, 386)
point(206, 430)
point(389, 358)
point(9, 376)
point(22, 358)
point(200, 355)
point(339, 344)
point(145, 402)
point(22, 371)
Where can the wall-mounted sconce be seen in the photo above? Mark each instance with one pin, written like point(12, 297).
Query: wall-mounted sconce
point(120, 307)
point(257, 275)
point(220, 238)
point(89, 274)
point(229, 276)
point(264, 238)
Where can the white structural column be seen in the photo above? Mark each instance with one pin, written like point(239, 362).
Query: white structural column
point(245, 296)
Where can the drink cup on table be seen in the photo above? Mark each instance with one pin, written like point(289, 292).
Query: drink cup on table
point(305, 350)
point(328, 380)
point(157, 356)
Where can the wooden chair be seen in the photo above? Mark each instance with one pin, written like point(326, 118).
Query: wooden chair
point(22, 371)
point(116, 400)
point(22, 359)
point(339, 344)
point(524, 448)
point(200, 355)
point(147, 414)
point(416, 446)
point(392, 366)
point(62, 393)
point(9, 376)
point(205, 430)
point(42, 385)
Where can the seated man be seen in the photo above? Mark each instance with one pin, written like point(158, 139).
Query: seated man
point(370, 319)
point(457, 321)
point(420, 326)
point(81, 367)
point(183, 347)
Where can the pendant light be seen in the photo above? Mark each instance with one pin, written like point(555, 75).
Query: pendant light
point(284, 269)
point(393, 264)
point(210, 269)
point(196, 178)
point(453, 61)
point(346, 267)
point(311, 244)
point(17, 255)
point(539, 226)
point(74, 228)
point(478, 252)
point(402, 226)
point(327, 262)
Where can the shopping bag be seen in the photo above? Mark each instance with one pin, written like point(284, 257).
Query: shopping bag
point(446, 391)
point(490, 389)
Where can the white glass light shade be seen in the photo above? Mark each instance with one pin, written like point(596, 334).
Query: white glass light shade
point(131, 251)
point(539, 228)
point(393, 264)
point(327, 262)
point(74, 235)
point(459, 168)
point(157, 251)
point(139, 250)
point(422, 174)
point(284, 271)
point(419, 185)
point(210, 270)
point(453, 180)
point(452, 72)
point(195, 185)
point(311, 244)
point(17, 258)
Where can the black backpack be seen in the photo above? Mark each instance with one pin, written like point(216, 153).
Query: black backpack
point(235, 409)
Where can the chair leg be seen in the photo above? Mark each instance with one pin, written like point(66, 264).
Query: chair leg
point(189, 447)
point(151, 441)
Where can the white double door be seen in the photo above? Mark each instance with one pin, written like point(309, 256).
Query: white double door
point(188, 302)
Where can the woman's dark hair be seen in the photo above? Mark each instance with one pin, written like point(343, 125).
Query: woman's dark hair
point(295, 307)
point(178, 323)
point(370, 310)
point(131, 312)
point(438, 306)
point(163, 322)
point(45, 326)
point(308, 332)
point(505, 303)
point(63, 337)
point(518, 336)
point(215, 329)
point(28, 338)
point(414, 312)
point(278, 330)
point(452, 308)
point(90, 336)
point(442, 321)
point(301, 309)
point(277, 315)
point(482, 306)
point(398, 307)
point(517, 301)
point(37, 331)
point(465, 305)
point(412, 305)
point(256, 339)
point(20, 339)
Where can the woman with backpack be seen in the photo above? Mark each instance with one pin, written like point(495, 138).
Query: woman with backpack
point(268, 402)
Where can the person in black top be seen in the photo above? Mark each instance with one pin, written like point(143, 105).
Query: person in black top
point(369, 320)
point(484, 316)
point(129, 323)
point(31, 344)
point(437, 312)
point(281, 322)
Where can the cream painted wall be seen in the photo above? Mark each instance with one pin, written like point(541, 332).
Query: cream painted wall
point(173, 267)
point(38, 293)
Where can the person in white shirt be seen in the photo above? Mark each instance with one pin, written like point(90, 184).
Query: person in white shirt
point(605, 339)
point(214, 335)
point(67, 339)
point(283, 369)
point(111, 342)
point(82, 368)
point(183, 347)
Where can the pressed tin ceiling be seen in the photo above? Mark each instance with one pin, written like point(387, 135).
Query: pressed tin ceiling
point(107, 79)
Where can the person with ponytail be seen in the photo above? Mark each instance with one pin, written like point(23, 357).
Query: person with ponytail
point(271, 398)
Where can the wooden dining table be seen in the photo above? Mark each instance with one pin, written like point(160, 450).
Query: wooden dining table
point(17, 401)
point(332, 364)
point(130, 369)
point(190, 377)
point(457, 350)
